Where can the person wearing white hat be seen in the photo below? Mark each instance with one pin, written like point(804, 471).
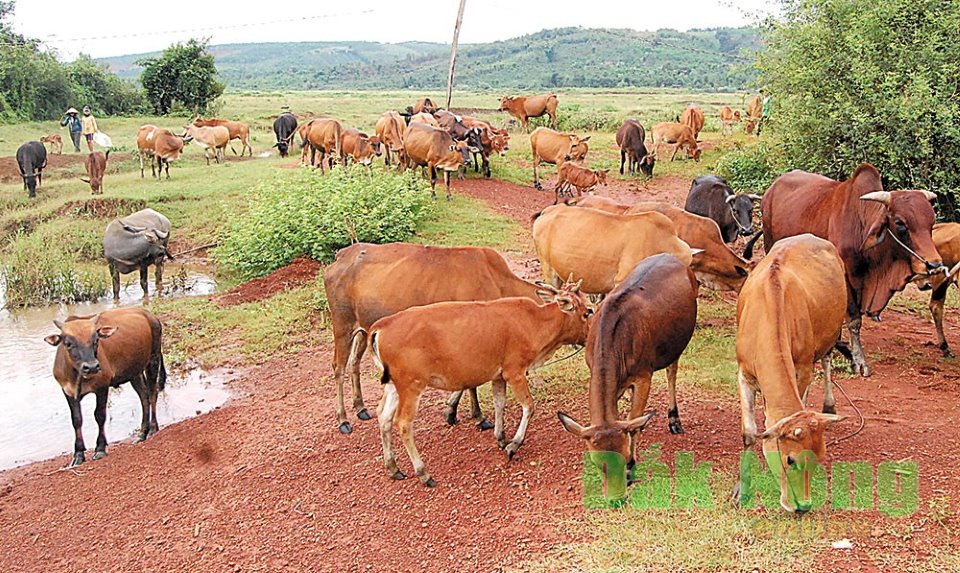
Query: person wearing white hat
point(72, 121)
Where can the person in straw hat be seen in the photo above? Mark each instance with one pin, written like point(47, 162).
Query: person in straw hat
point(71, 120)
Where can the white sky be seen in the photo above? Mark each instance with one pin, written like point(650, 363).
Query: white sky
point(116, 27)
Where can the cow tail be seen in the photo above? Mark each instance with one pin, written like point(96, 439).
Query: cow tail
point(161, 375)
point(377, 360)
point(748, 250)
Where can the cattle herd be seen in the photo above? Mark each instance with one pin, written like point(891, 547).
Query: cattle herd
point(456, 318)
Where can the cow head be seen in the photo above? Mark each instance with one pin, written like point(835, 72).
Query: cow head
point(474, 138)
point(505, 102)
point(601, 175)
point(646, 165)
point(736, 116)
point(578, 148)
point(573, 303)
point(741, 207)
point(793, 447)
point(282, 147)
point(376, 144)
point(463, 149)
point(80, 337)
point(500, 144)
point(907, 221)
point(30, 180)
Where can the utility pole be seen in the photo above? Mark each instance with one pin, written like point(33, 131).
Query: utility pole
point(453, 52)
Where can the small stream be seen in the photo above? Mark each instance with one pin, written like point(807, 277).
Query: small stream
point(35, 421)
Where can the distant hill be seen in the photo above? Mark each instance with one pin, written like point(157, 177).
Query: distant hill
point(714, 59)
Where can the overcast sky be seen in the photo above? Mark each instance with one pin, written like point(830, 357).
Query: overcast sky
point(115, 27)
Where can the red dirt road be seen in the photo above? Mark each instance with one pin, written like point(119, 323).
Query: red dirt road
point(267, 483)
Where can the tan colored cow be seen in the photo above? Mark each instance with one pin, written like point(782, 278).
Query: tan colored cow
point(360, 147)
point(692, 117)
point(96, 165)
point(523, 108)
point(425, 118)
point(435, 150)
point(324, 136)
point(754, 114)
point(569, 174)
point(549, 146)
point(213, 139)
point(389, 129)
point(676, 134)
point(728, 117)
point(161, 146)
point(946, 237)
point(237, 129)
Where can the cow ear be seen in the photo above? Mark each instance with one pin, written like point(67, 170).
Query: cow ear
point(585, 139)
point(107, 331)
point(570, 425)
point(546, 296)
point(875, 236)
point(636, 424)
point(58, 324)
point(566, 304)
point(53, 339)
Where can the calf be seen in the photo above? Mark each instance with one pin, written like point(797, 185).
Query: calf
point(161, 146)
point(693, 118)
point(678, 135)
point(728, 117)
point(324, 136)
point(570, 174)
point(55, 141)
point(103, 351)
point(136, 242)
point(96, 165)
point(523, 108)
point(285, 128)
point(434, 149)
point(711, 196)
point(389, 129)
point(549, 146)
point(643, 326)
point(789, 316)
point(31, 159)
point(360, 146)
point(946, 238)
point(424, 347)
point(209, 138)
point(237, 130)
point(630, 139)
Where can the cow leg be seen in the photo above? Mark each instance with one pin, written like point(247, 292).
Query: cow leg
point(357, 348)
point(485, 165)
point(829, 402)
point(342, 344)
point(673, 414)
point(453, 404)
point(623, 159)
point(100, 414)
point(476, 413)
point(158, 273)
point(144, 270)
point(433, 182)
point(746, 388)
point(856, 349)
point(521, 389)
point(385, 412)
point(407, 410)
point(115, 277)
point(937, 299)
point(499, 404)
point(639, 397)
point(446, 182)
point(536, 177)
point(76, 417)
point(675, 149)
point(140, 386)
point(141, 165)
point(166, 168)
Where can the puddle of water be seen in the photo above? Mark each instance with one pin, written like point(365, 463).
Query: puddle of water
point(35, 423)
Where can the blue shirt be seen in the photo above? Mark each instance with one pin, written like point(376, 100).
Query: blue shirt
point(73, 121)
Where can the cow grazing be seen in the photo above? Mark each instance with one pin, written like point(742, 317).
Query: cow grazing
point(630, 139)
point(884, 237)
point(754, 115)
point(523, 108)
point(434, 149)
point(711, 196)
point(553, 147)
point(946, 238)
point(425, 105)
point(678, 135)
point(789, 316)
point(570, 174)
point(96, 165)
point(96, 353)
point(31, 159)
point(161, 146)
point(494, 142)
point(692, 117)
point(717, 267)
point(560, 233)
point(728, 117)
point(55, 141)
point(643, 326)
point(368, 282)
point(360, 147)
point(324, 137)
point(389, 130)
point(237, 129)
point(424, 347)
point(211, 139)
point(136, 242)
point(285, 128)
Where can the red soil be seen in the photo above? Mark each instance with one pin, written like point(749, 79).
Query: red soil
point(10, 171)
point(296, 274)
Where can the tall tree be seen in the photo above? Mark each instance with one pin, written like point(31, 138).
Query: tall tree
point(184, 74)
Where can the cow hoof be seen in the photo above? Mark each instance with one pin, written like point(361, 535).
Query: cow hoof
point(77, 460)
point(449, 197)
point(511, 450)
point(538, 186)
point(735, 496)
point(98, 455)
point(363, 414)
point(451, 416)
point(142, 436)
point(485, 425)
point(831, 409)
point(675, 427)
point(345, 428)
point(946, 350)
point(502, 443)
point(430, 482)
point(398, 476)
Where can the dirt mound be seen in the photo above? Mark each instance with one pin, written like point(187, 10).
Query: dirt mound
point(298, 273)
point(10, 171)
point(101, 207)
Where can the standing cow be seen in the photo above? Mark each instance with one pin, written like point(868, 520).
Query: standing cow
point(630, 139)
point(711, 196)
point(96, 165)
point(523, 108)
point(161, 146)
point(549, 146)
point(31, 159)
point(136, 242)
point(435, 150)
point(692, 117)
point(236, 129)
point(285, 128)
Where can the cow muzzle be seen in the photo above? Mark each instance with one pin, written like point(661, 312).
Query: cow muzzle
point(89, 368)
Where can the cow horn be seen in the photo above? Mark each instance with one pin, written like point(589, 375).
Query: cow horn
point(160, 234)
point(547, 286)
point(878, 196)
point(730, 199)
point(754, 197)
point(85, 180)
point(953, 272)
point(930, 195)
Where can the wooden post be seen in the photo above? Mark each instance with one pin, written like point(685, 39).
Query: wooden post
point(453, 52)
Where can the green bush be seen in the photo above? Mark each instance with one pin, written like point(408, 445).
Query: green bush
point(307, 213)
point(750, 168)
point(40, 271)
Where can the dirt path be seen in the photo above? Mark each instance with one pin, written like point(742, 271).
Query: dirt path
point(267, 483)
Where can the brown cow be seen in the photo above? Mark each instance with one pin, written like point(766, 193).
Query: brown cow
point(434, 149)
point(643, 326)
point(675, 134)
point(630, 139)
point(523, 108)
point(789, 316)
point(389, 129)
point(692, 117)
point(161, 145)
point(754, 114)
point(96, 353)
point(360, 146)
point(425, 105)
point(424, 347)
point(946, 238)
point(559, 234)
point(717, 267)
point(728, 117)
point(883, 236)
point(95, 164)
point(368, 282)
point(237, 129)
point(553, 147)
point(570, 174)
point(325, 136)
point(424, 118)
point(214, 138)
point(55, 141)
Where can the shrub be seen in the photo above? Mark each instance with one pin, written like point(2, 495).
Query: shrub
point(314, 215)
point(40, 271)
point(750, 168)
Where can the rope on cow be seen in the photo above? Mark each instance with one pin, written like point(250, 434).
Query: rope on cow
point(571, 355)
point(857, 410)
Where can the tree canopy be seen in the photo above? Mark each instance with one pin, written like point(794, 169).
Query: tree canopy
point(184, 74)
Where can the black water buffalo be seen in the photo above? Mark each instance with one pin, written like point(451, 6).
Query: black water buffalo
point(285, 127)
point(710, 196)
point(136, 242)
point(31, 159)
